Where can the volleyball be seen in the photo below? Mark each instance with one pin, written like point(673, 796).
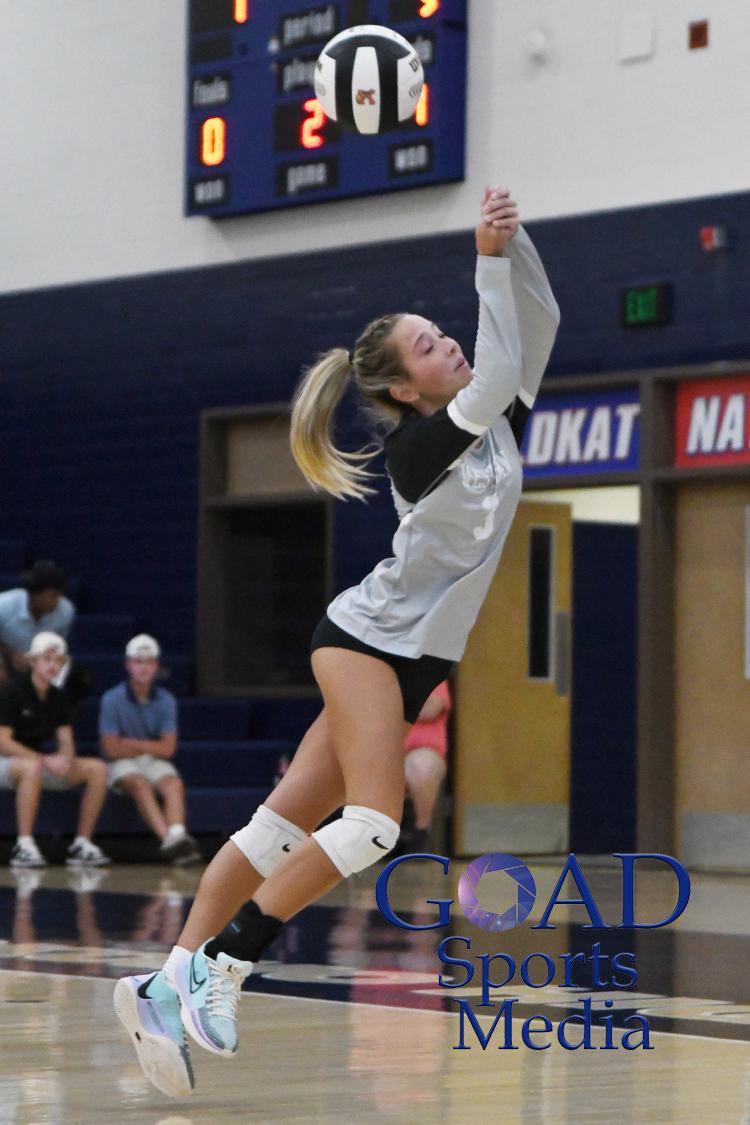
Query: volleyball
point(368, 79)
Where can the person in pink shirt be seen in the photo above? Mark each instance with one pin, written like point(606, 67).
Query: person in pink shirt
point(426, 752)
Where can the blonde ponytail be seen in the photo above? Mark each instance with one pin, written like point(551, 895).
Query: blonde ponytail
point(316, 398)
point(376, 366)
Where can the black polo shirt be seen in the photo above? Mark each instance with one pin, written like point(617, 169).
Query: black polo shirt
point(32, 719)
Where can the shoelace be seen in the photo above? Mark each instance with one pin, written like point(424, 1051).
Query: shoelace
point(223, 992)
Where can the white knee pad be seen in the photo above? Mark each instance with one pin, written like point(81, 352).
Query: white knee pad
point(357, 839)
point(267, 839)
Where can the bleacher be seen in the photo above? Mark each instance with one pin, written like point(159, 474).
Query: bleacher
point(229, 753)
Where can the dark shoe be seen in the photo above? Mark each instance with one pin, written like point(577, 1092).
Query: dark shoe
point(86, 854)
point(181, 852)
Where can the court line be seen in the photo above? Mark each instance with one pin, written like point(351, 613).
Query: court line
point(364, 1004)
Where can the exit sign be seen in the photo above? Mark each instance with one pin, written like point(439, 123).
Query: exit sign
point(646, 306)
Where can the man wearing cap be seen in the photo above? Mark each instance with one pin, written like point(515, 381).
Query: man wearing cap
point(33, 714)
point(38, 606)
point(138, 733)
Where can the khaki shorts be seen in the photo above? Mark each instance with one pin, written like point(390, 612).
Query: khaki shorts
point(52, 781)
point(49, 779)
point(146, 765)
point(5, 767)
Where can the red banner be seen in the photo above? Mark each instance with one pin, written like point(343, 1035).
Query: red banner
point(712, 422)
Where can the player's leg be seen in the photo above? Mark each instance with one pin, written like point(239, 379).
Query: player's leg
point(147, 1006)
point(310, 790)
point(364, 710)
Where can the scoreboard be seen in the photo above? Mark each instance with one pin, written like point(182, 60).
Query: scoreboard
point(257, 138)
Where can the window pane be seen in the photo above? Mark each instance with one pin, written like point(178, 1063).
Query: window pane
point(541, 597)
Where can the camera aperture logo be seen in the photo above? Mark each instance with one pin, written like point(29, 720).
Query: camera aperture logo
point(525, 892)
point(537, 969)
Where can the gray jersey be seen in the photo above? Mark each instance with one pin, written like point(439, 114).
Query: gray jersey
point(456, 476)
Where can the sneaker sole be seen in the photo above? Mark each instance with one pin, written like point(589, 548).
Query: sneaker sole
point(188, 860)
point(87, 862)
point(195, 1032)
point(166, 1065)
point(34, 866)
point(180, 854)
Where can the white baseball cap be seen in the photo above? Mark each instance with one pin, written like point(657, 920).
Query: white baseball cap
point(142, 645)
point(43, 642)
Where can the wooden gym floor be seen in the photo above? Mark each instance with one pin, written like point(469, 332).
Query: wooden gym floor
point(345, 1020)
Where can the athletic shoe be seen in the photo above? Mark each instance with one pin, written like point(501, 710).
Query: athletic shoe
point(209, 992)
point(182, 851)
point(85, 854)
point(27, 855)
point(149, 1011)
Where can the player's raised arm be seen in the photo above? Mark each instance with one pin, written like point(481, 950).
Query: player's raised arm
point(498, 358)
point(537, 311)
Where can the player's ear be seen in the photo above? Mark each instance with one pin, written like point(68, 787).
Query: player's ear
point(403, 391)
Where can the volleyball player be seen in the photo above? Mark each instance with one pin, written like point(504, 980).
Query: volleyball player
point(384, 645)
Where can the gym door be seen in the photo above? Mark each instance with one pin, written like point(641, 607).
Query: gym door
point(512, 727)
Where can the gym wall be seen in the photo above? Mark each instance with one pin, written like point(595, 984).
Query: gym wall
point(93, 108)
point(104, 384)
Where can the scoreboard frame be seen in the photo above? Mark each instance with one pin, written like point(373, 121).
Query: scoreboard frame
point(257, 138)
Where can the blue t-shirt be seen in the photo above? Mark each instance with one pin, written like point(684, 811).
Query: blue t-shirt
point(17, 626)
point(122, 714)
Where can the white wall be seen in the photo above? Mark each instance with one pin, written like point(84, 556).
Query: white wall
point(606, 504)
point(91, 116)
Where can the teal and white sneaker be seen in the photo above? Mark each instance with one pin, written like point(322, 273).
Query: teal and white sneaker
point(149, 1011)
point(209, 992)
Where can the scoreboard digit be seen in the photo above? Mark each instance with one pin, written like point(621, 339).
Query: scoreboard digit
point(257, 138)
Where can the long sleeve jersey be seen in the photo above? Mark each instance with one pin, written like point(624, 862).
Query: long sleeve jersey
point(456, 475)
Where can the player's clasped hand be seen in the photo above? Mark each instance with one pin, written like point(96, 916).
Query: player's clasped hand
point(499, 221)
point(498, 209)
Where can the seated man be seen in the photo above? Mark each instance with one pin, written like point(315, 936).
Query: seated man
point(22, 772)
point(33, 713)
point(38, 606)
point(138, 732)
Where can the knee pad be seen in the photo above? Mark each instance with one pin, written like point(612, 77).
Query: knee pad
point(357, 839)
point(267, 839)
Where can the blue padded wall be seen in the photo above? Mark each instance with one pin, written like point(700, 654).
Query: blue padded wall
point(103, 384)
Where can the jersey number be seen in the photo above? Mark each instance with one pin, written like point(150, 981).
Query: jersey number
point(490, 505)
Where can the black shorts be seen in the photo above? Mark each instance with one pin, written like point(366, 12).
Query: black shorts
point(417, 676)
